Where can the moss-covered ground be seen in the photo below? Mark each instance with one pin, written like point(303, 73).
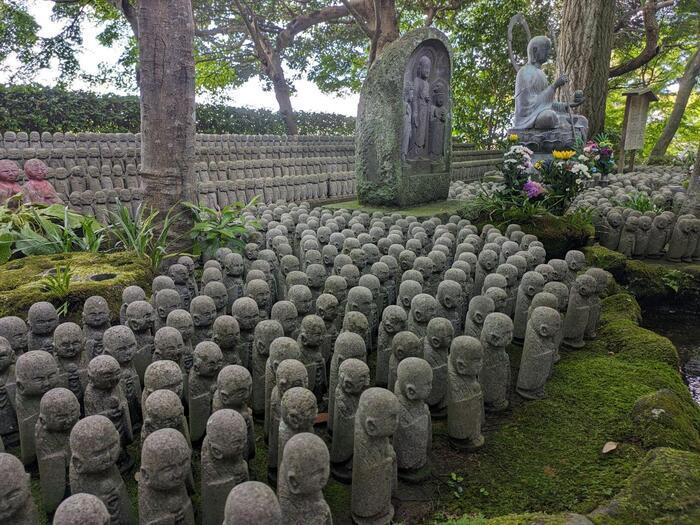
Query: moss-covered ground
point(442, 209)
point(106, 274)
point(653, 282)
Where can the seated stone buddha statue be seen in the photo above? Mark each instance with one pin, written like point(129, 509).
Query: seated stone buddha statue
point(542, 123)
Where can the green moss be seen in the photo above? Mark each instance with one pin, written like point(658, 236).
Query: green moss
point(663, 419)
point(545, 456)
point(21, 285)
point(530, 518)
point(609, 260)
point(664, 489)
point(441, 209)
point(652, 281)
point(620, 306)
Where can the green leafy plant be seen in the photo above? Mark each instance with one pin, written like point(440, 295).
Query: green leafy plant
point(455, 483)
point(58, 284)
point(31, 229)
point(640, 202)
point(141, 234)
point(217, 228)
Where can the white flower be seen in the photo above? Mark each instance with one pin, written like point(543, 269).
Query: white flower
point(583, 158)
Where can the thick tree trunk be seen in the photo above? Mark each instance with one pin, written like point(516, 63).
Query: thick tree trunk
point(585, 46)
point(284, 101)
point(383, 22)
point(685, 87)
point(166, 63)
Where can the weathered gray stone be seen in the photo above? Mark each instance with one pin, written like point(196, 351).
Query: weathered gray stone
point(479, 307)
point(70, 359)
point(16, 503)
point(42, 319)
point(298, 410)
point(265, 332)
point(353, 379)
point(374, 459)
point(223, 463)
point(163, 409)
point(95, 322)
point(59, 411)
point(348, 345)
point(95, 448)
point(578, 311)
point(404, 344)
point(413, 436)
point(165, 469)
point(496, 335)
point(233, 388)
point(85, 509)
point(303, 474)
point(208, 361)
point(226, 334)
point(36, 373)
point(8, 416)
point(436, 347)
point(465, 405)
point(530, 285)
point(15, 330)
point(404, 123)
point(252, 503)
point(538, 352)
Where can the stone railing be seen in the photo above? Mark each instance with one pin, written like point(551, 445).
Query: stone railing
point(91, 170)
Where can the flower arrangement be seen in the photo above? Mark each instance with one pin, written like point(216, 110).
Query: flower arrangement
point(597, 155)
point(517, 165)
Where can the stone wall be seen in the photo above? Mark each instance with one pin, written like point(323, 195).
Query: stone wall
point(91, 170)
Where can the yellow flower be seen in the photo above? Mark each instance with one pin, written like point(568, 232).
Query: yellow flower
point(513, 137)
point(538, 165)
point(563, 155)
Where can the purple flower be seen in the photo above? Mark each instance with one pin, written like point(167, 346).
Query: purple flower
point(533, 189)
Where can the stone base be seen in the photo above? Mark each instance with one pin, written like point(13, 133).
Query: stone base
point(342, 472)
point(383, 519)
point(415, 475)
point(467, 444)
point(417, 184)
point(548, 140)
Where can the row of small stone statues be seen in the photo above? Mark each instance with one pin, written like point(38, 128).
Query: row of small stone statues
point(654, 233)
point(243, 335)
point(35, 139)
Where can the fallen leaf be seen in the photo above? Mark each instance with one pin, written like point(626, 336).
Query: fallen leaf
point(550, 472)
point(609, 447)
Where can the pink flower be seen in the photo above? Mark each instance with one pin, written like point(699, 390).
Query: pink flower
point(533, 189)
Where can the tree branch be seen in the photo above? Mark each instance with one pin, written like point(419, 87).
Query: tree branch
point(303, 22)
point(358, 18)
point(651, 45)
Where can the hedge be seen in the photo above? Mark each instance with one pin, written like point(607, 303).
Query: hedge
point(38, 108)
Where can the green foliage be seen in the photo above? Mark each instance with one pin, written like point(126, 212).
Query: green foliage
point(33, 107)
point(638, 201)
point(142, 235)
point(58, 283)
point(33, 229)
point(217, 228)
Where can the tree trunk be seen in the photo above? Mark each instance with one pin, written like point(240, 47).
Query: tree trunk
point(166, 62)
point(284, 101)
point(585, 46)
point(692, 203)
point(383, 22)
point(685, 87)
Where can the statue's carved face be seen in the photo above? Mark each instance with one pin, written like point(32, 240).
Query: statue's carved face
point(9, 171)
point(538, 49)
point(35, 169)
point(424, 67)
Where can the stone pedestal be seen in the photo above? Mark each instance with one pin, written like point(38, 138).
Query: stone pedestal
point(404, 123)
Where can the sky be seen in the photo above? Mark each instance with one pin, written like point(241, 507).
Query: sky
point(251, 94)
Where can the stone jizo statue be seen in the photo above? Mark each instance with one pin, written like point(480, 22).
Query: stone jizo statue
point(9, 175)
point(223, 463)
point(303, 474)
point(233, 388)
point(298, 410)
point(95, 322)
point(208, 360)
point(42, 319)
point(59, 411)
point(165, 469)
point(37, 189)
point(252, 503)
point(465, 400)
point(72, 366)
point(374, 459)
point(36, 373)
point(413, 436)
point(495, 374)
point(16, 503)
point(85, 509)
point(353, 379)
point(538, 352)
point(95, 447)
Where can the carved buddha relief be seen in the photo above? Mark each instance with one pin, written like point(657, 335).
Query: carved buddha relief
point(426, 102)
